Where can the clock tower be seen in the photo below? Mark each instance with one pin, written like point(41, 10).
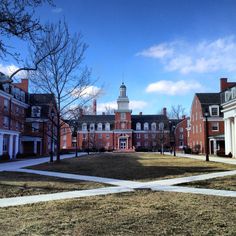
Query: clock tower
point(123, 131)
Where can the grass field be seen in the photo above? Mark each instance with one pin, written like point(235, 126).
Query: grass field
point(14, 184)
point(222, 183)
point(137, 213)
point(137, 166)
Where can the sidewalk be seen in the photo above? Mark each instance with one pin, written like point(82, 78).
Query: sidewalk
point(225, 160)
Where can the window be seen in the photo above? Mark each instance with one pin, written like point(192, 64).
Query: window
point(6, 122)
point(181, 136)
point(84, 127)
point(138, 136)
point(107, 126)
point(146, 126)
point(22, 96)
point(17, 125)
point(100, 126)
point(35, 127)
point(200, 128)
point(107, 136)
point(196, 129)
point(84, 136)
point(161, 126)
point(153, 136)
point(181, 143)
point(6, 105)
point(181, 129)
point(146, 136)
point(100, 136)
point(35, 111)
point(193, 129)
point(122, 125)
point(215, 126)
point(153, 126)
point(5, 143)
point(138, 126)
point(138, 144)
point(122, 116)
point(214, 110)
point(92, 127)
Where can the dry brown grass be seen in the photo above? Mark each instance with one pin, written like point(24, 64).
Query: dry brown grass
point(222, 183)
point(138, 213)
point(14, 184)
point(136, 166)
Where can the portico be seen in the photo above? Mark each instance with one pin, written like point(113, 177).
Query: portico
point(9, 143)
point(228, 99)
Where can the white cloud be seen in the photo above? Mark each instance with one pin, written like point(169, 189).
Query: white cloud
point(90, 91)
point(57, 10)
point(201, 57)
point(169, 87)
point(156, 51)
point(10, 69)
point(133, 105)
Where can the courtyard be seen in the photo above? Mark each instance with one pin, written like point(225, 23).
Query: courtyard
point(134, 210)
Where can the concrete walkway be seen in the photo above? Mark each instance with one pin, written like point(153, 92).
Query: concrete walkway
point(123, 185)
point(231, 161)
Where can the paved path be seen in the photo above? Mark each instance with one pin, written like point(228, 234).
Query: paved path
point(123, 185)
point(231, 161)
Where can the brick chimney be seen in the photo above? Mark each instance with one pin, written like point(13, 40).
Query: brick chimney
point(223, 84)
point(24, 85)
point(164, 111)
point(94, 107)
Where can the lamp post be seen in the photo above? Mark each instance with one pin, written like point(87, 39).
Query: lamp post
point(88, 140)
point(173, 130)
point(206, 115)
point(51, 153)
point(172, 137)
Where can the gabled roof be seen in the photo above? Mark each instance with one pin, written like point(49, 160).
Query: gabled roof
point(209, 98)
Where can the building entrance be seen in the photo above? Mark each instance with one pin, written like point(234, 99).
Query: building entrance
point(123, 143)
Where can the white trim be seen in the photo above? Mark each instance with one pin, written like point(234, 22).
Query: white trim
point(9, 132)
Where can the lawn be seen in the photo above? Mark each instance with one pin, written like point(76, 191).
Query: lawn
point(222, 183)
point(14, 184)
point(137, 213)
point(135, 166)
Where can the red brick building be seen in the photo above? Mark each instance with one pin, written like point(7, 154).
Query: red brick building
point(123, 131)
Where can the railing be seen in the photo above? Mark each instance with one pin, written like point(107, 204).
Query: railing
point(228, 95)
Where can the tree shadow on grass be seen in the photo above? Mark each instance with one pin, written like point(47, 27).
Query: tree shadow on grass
point(133, 166)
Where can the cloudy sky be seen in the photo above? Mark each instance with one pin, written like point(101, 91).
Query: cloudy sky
point(163, 50)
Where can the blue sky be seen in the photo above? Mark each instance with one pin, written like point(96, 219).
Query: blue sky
point(165, 51)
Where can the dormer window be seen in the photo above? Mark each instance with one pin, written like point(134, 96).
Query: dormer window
point(153, 126)
point(92, 127)
point(214, 110)
point(161, 126)
point(35, 111)
point(146, 126)
point(6, 105)
point(100, 126)
point(138, 126)
point(107, 127)
point(84, 127)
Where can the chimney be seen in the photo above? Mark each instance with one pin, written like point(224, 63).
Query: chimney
point(95, 107)
point(24, 85)
point(140, 113)
point(223, 84)
point(164, 111)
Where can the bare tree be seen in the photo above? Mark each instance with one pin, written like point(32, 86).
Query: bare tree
point(177, 112)
point(17, 20)
point(62, 74)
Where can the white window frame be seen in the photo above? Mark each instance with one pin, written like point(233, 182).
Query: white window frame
point(35, 127)
point(212, 125)
point(138, 126)
point(35, 111)
point(84, 127)
point(146, 126)
point(99, 128)
point(107, 126)
point(153, 126)
point(213, 107)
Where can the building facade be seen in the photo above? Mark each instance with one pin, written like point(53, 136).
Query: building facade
point(228, 103)
point(123, 131)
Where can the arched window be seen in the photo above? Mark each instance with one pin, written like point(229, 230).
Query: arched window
point(107, 127)
point(153, 126)
point(100, 126)
point(138, 126)
point(161, 126)
point(146, 126)
point(92, 127)
point(84, 127)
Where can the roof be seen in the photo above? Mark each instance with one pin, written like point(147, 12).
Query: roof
point(41, 99)
point(209, 98)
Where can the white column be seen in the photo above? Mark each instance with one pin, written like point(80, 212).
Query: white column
point(10, 148)
point(214, 147)
point(234, 143)
point(35, 147)
point(1, 144)
point(228, 136)
point(16, 145)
